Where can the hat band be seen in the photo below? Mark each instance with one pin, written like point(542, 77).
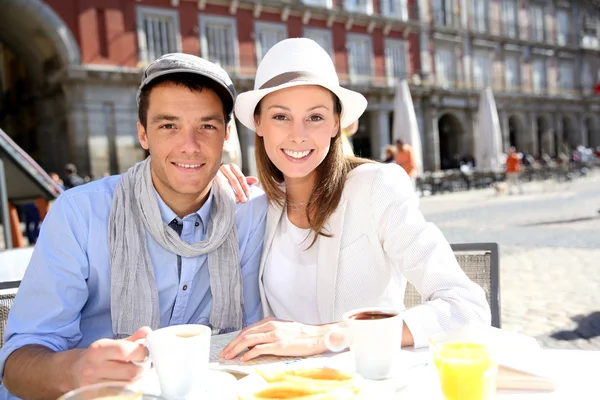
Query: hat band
point(288, 77)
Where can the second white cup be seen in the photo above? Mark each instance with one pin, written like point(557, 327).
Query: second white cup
point(374, 336)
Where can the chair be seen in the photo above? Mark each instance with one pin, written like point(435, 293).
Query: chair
point(7, 297)
point(480, 261)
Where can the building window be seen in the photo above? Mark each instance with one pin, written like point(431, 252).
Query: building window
point(158, 32)
point(536, 22)
point(360, 54)
point(539, 75)
point(319, 3)
point(359, 6)
point(395, 9)
point(267, 34)
point(562, 27)
point(566, 70)
point(218, 41)
point(445, 14)
point(445, 66)
point(512, 76)
point(482, 68)
point(589, 36)
point(396, 66)
point(509, 18)
point(479, 15)
point(321, 36)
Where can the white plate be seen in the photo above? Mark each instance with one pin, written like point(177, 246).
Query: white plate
point(221, 385)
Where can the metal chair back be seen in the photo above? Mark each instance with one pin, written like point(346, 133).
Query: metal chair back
point(480, 261)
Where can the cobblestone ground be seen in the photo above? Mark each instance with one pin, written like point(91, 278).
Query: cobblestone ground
point(549, 254)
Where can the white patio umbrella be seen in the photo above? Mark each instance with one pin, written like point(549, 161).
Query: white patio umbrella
point(405, 123)
point(488, 135)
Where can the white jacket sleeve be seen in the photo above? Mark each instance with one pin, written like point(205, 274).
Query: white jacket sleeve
point(424, 257)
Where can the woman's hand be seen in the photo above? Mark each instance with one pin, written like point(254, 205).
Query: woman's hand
point(239, 183)
point(277, 337)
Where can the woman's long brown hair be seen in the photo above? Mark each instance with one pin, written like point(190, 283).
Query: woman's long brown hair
point(329, 183)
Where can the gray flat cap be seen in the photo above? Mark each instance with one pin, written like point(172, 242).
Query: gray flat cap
point(174, 63)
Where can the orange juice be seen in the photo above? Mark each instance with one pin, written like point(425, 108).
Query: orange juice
point(467, 371)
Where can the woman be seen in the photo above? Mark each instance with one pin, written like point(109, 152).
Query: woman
point(342, 232)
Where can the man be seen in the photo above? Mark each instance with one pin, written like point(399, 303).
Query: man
point(513, 171)
point(163, 244)
point(71, 179)
point(406, 159)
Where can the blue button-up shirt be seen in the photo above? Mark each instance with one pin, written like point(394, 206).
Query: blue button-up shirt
point(64, 299)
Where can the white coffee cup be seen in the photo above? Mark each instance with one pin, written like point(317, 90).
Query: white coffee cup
point(374, 336)
point(180, 355)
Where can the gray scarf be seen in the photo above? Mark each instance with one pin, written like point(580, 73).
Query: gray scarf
point(133, 289)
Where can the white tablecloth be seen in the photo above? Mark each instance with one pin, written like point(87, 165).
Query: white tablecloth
point(576, 373)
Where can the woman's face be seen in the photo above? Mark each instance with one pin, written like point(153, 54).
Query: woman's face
point(297, 125)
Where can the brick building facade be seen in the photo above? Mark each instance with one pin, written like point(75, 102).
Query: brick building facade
point(69, 69)
point(80, 77)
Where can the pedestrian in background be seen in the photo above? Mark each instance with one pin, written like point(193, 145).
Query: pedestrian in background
point(513, 171)
point(71, 178)
point(405, 157)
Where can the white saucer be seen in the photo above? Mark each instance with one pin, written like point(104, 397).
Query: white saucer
point(407, 366)
point(220, 385)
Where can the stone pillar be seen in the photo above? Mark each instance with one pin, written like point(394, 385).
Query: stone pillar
point(379, 131)
point(246, 137)
point(557, 139)
point(431, 143)
point(532, 127)
point(504, 127)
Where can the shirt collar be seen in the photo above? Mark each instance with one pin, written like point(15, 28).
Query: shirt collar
point(168, 215)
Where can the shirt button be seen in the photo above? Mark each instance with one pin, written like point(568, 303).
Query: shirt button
point(184, 288)
point(197, 224)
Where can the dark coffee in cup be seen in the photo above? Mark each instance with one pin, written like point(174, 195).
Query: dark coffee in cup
point(370, 315)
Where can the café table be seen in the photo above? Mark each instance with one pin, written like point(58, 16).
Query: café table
point(576, 374)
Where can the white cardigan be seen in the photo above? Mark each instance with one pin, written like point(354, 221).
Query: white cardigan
point(380, 240)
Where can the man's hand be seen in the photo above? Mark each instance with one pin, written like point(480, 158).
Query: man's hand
point(238, 182)
point(108, 360)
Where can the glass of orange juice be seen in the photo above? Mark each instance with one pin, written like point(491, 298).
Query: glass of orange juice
point(466, 366)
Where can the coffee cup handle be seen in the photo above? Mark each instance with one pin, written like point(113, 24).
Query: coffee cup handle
point(337, 332)
point(146, 361)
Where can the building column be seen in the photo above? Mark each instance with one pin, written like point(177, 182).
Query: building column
point(505, 129)
point(431, 143)
point(557, 138)
point(379, 131)
point(535, 146)
point(246, 137)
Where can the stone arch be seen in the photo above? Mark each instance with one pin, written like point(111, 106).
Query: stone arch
point(518, 135)
point(570, 135)
point(591, 136)
point(37, 49)
point(452, 137)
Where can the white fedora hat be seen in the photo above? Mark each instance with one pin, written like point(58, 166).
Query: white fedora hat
point(294, 62)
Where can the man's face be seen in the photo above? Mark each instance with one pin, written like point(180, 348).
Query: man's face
point(185, 132)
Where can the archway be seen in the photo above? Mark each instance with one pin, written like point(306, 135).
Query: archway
point(36, 49)
point(451, 134)
point(544, 139)
point(517, 136)
point(590, 133)
point(569, 135)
